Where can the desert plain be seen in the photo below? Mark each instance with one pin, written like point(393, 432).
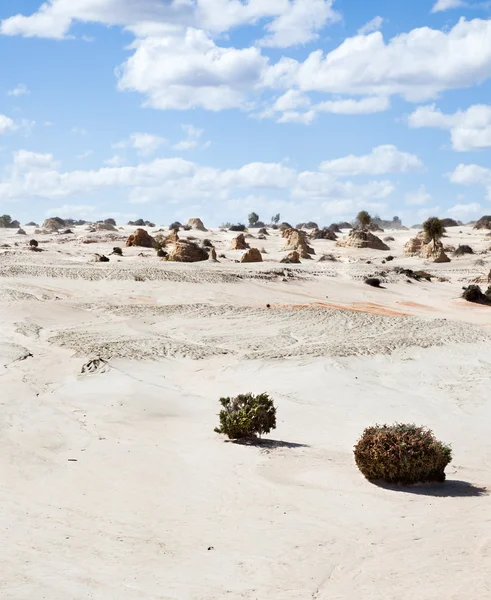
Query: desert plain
point(114, 483)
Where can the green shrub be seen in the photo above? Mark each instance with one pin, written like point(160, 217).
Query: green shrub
point(247, 416)
point(400, 453)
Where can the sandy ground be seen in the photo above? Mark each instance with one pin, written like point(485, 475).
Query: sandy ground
point(114, 484)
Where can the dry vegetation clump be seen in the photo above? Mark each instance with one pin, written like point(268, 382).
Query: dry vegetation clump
point(464, 249)
point(246, 416)
point(117, 250)
point(263, 231)
point(323, 234)
point(373, 281)
point(327, 258)
point(389, 238)
point(238, 227)
point(401, 453)
point(473, 293)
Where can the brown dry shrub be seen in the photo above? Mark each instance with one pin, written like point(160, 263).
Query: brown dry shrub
point(401, 453)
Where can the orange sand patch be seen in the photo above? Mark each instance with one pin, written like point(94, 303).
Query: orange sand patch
point(365, 307)
point(417, 305)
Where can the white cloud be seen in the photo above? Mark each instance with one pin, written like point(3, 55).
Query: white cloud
point(6, 125)
point(192, 140)
point(183, 70)
point(146, 143)
point(417, 65)
point(76, 211)
point(26, 160)
point(442, 5)
point(374, 25)
point(418, 197)
point(299, 23)
point(381, 160)
point(286, 108)
point(19, 90)
point(464, 211)
point(176, 180)
point(290, 21)
point(472, 175)
point(470, 129)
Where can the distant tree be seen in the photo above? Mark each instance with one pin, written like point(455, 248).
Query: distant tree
point(434, 229)
point(363, 219)
point(253, 219)
point(5, 221)
point(276, 219)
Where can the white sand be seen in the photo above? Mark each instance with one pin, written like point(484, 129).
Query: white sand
point(114, 485)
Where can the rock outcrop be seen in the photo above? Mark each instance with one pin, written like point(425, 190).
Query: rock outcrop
point(213, 255)
point(186, 251)
point(293, 258)
point(196, 224)
point(53, 224)
point(239, 243)
point(297, 240)
point(252, 255)
point(434, 252)
point(358, 238)
point(140, 238)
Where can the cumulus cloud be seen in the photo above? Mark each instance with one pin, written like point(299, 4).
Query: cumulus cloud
point(374, 25)
point(381, 160)
point(472, 175)
point(464, 211)
point(442, 5)
point(288, 21)
point(183, 70)
point(146, 143)
point(299, 23)
point(6, 125)
point(469, 129)
point(19, 90)
point(177, 180)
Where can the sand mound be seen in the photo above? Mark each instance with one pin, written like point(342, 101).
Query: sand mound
point(239, 243)
point(252, 255)
point(435, 252)
point(292, 258)
point(296, 240)
point(362, 239)
point(185, 251)
point(53, 224)
point(140, 238)
point(196, 224)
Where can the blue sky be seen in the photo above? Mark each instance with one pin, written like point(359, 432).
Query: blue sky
point(170, 109)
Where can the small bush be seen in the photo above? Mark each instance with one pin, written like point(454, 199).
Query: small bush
point(400, 453)
point(238, 227)
point(373, 281)
point(175, 226)
point(389, 258)
point(461, 250)
point(473, 293)
point(246, 416)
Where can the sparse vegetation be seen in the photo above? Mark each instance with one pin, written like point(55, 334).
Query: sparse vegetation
point(464, 249)
point(253, 219)
point(373, 281)
point(434, 229)
point(473, 293)
point(238, 227)
point(247, 416)
point(401, 453)
point(363, 220)
point(276, 219)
